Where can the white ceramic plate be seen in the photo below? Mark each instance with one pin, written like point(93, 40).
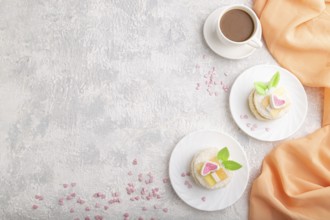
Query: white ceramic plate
point(229, 52)
point(267, 130)
point(196, 196)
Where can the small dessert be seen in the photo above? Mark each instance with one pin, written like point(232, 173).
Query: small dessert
point(212, 169)
point(268, 101)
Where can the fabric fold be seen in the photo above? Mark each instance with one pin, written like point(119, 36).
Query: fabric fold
point(295, 178)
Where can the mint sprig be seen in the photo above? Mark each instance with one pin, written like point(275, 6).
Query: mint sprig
point(262, 87)
point(231, 165)
point(223, 156)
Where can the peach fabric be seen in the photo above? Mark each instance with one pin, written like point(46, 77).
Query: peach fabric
point(295, 179)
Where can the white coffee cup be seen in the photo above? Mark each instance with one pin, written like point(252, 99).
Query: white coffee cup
point(253, 40)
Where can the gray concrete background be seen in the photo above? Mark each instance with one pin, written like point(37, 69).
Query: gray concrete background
point(88, 86)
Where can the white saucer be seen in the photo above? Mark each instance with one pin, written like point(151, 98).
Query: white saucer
point(196, 196)
point(273, 130)
point(212, 40)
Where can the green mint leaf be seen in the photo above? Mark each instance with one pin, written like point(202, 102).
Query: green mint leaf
point(260, 87)
point(223, 154)
point(231, 165)
point(274, 80)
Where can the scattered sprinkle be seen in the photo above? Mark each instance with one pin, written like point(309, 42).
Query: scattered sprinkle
point(73, 184)
point(35, 207)
point(71, 210)
point(165, 209)
point(87, 209)
point(203, 198)
point(65, 185)
point(134, 162)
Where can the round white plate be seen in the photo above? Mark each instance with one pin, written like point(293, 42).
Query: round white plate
point(230, 52)
point(196, 196)
point(267, 130)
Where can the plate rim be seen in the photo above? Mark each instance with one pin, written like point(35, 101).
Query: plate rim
point(218, 132)
point(294, 78)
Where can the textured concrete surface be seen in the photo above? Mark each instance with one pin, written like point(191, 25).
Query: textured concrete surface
point(87, 87)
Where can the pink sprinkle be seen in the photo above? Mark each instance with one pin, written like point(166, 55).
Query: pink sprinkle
point(39, 197)
point(35, 207)
point(102, 196)
point(165, 209)
point(203, 198)
point(186, 182)
point(65, 185)
point(148, 197)
point(73, 194)
point(155, 207)
point(216, 94)
point(134, 162)
point(144, 209)
point(152, 219)
point(116, 194)
point(140, 218)
point(198, 84)
point(98, 217)
point(130, 173)
point(73, 184)
point(76, 219)
point(87, 218)
point(166, 180)
point(132, 199)
point(126, 215)
point(68, 197)
point(183, 174)
point(137, 198)
point(87, 209)
point(71, 210)
point(197, 88)
point(158, 196)
point(106, 207)
point(80, 201)
point(97, 205)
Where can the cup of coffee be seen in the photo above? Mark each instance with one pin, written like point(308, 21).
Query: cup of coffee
point(238, 25)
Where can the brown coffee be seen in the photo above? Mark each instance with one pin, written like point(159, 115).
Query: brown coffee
point(237, 25)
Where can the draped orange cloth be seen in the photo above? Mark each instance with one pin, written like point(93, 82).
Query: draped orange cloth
point(295, 178)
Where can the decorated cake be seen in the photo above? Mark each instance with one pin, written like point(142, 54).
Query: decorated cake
point(268, 101)
point(212, 169)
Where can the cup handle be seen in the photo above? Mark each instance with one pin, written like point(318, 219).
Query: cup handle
point(255, 43)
